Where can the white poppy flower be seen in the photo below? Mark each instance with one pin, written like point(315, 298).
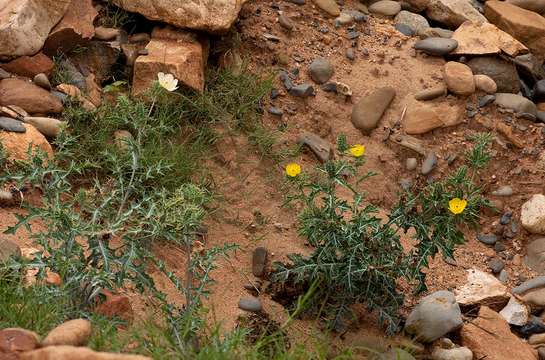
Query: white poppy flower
point(167, 81)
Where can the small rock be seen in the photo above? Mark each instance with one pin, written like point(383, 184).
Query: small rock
point(259, 261)
point(286, 22)
point(273, 110)
point(303, 90)
point(367, 113)
point(481, 289)
point(503, 276)
point(457, 353)
point(412, 21)
point(28, 96)
point(483, 101)
point(16, 339)
point(459, 78)
point(535, 255)
point(435, 315)
point(485, 83)
point(534, 326)
point(505, 190)
point(506, 218)
point(106, 34)
point(385, 7)
point(320, 147)
point(496, 265)
point(329, 6)
point(251, 304)
point(517, 103)
point(47, 126)
point(350, 55)
point(8, 249)
point(12, 125)
point(73, 332)
point(532, 214)
point(432, 93)
point(452, 13)
point(411, 164)
point(537, 339)
point(429, 163)
point(539, 91)
point(320, 70)
point(42, 81)
point(436, 46)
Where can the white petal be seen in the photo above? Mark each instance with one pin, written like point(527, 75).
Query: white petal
point(161, 76)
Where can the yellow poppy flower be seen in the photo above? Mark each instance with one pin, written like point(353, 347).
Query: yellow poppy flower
point(167, 81)
point(293, 169)
point(457, 206)
point(357, 150)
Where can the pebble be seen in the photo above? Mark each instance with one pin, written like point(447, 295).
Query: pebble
point(42, 81)
point(273, 110)
point(298, 2)
point(506, 218)
point(429, 163)
point(499, 247)
point(534, 326)
point(385, 7)
point(350, 55)
point(303, 90)
point(251, 304)
point(259, 261)
point(320, 147)
point(405, 184)
point(436, 46)
point(285, 78)
point(286, 22)
point(12, 125)
point(503, 276)
point(320, 70)
point(483, 101)
point(368, 111)
point(432, 93)
point(505, 190)
point(488, 239)
point(411, 164)
point(274, 94)
point(496, 265)
point(353, 35)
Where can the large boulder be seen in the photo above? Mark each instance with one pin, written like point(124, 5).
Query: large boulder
point(526, 26)
point(537, 6)
point(453, 13)
point(25, 24)
point(489, 337)
point(75, 28)
point(470, 40)
point(32, 98)
point(215, 16)
point(171, 51)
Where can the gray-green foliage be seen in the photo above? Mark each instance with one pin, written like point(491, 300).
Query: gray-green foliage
point(358, 257)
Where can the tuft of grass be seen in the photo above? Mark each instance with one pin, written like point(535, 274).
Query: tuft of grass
point(479, 155)
point(113, 16)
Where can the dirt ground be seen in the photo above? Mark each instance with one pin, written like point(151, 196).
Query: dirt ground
point(250, 211)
